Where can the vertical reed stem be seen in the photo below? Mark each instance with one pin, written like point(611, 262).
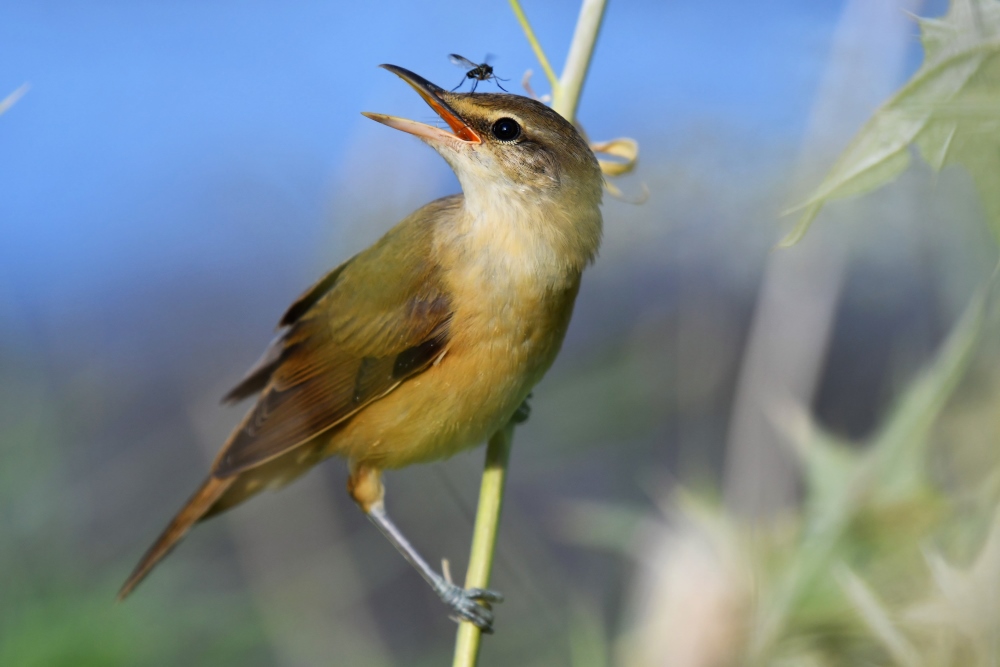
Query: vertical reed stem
point(566, 98)
point(484, 538)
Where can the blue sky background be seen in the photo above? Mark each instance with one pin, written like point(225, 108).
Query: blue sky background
point(166, 138)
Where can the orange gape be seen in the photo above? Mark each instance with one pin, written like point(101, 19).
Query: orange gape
point(427, 342)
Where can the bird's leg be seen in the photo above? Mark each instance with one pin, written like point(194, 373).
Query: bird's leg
point(472, 604)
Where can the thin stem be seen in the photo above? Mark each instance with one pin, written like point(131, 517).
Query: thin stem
point(566, 97)
point(550, 73)
point(484, 538)
point(9, 101)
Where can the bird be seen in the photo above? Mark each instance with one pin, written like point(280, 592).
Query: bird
point(430, 340)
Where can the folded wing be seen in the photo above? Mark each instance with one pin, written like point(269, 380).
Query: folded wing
point(366, 327)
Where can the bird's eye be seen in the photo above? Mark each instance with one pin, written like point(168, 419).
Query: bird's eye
point(506, 129)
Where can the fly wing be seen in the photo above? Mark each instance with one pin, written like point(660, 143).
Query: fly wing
point(464, 63)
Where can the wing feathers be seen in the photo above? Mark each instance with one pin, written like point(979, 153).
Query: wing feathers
point(370, 324)
point(257, 377)
point(311, 296)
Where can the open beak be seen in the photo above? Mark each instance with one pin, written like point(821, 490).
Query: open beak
point(431, 95)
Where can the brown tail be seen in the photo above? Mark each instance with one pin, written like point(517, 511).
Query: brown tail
point(200, 503)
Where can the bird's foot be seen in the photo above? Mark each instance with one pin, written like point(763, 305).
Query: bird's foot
point(471, 604)
point(523, 412)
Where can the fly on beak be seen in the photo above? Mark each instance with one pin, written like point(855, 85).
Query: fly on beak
point(431, 95)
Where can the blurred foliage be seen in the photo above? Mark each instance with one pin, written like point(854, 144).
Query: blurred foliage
point(893, 556)
point(57, 605)
point(868, 507)
point(950, 110)
point(859, 575)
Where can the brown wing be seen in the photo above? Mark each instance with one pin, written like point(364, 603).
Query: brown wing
point(372, 323)
point(257, 377)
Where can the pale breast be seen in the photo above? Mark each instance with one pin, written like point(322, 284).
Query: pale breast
point(511, 298)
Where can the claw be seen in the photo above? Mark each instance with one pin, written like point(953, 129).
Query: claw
point(472, 605)
point(523, 412)
point(484, 594)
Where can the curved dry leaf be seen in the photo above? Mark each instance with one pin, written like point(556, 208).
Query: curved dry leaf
point(617, 193)
point(623, 148)
point(526, 84)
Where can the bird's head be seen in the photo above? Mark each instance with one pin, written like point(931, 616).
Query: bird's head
point(503, 145)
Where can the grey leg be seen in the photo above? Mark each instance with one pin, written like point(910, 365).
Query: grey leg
point(471, 604)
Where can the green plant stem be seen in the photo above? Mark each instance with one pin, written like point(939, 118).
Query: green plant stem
point(566, 97)
point(536, 46)
point(484, 538)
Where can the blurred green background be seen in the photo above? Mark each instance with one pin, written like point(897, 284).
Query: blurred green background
point(177, 173)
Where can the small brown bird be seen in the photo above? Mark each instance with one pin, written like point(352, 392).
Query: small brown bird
point(427, 342)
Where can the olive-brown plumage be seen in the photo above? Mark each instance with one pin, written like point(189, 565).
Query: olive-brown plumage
point(429, 340)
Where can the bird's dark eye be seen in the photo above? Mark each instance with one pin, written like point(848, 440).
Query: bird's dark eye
point(506, 129)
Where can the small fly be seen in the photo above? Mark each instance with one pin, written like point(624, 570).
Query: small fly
point(481, 72)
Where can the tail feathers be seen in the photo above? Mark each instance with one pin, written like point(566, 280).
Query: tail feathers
point(195, 509)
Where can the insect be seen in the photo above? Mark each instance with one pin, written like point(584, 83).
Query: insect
point(481, 72)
